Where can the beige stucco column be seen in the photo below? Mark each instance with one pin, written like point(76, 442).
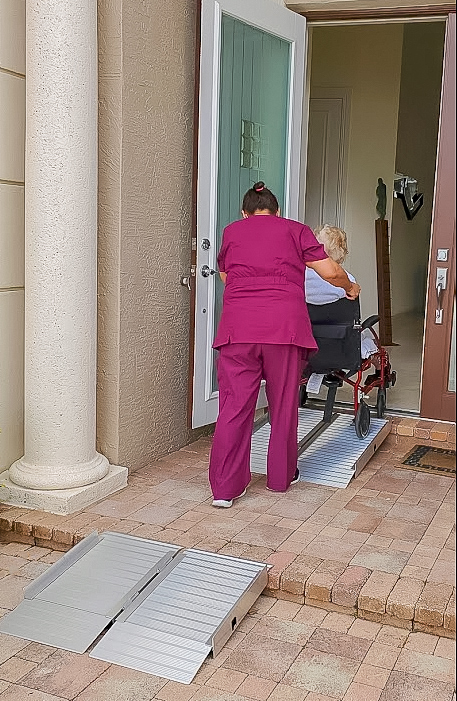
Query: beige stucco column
point(61, 254)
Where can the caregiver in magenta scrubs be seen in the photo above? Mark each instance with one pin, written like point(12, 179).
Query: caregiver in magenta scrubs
point(264, 333)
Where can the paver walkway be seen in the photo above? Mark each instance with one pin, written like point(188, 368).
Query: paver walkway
point(382, 549)
point(282, 651)
point(355, 570)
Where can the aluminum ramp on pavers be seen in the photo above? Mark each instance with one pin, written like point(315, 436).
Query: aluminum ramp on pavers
point(337, 454)
point(189, 610)
point(71, 603)
point(163, 608)
point(307, 420)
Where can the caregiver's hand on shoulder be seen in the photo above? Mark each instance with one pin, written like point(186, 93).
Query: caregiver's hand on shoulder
point(354, 291)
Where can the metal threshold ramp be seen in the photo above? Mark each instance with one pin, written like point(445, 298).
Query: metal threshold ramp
point(334, 457)
point(164, 609)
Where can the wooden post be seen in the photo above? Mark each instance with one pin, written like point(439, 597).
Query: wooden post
point(383, 275)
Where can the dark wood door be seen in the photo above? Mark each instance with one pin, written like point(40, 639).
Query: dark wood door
point(438, 392)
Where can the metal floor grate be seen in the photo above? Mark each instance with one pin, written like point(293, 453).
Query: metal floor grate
point(164, 609)
point(335, 457)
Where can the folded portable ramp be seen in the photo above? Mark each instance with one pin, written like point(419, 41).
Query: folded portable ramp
point(70, 604)
point(189, 610)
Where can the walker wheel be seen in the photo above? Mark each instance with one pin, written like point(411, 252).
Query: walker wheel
point(362, 420)
point(381, 403)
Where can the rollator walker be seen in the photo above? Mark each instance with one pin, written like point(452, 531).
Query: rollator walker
point(337, 329)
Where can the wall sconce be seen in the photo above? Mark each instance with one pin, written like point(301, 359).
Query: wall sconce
point(405, 189)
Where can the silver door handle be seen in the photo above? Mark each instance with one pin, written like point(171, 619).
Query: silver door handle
point(439, 294)
point(206, 271)
point(440, 286)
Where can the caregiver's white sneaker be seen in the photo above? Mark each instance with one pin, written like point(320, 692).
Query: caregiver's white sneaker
point(297, 477)
point(227, 503)
point(294, 481)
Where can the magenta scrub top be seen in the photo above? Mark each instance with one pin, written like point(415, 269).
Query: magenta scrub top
point(265, 258)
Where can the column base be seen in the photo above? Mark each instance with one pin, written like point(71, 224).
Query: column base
point(59, 477)
point(62, 501)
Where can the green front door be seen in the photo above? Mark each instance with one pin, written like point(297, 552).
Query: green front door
point(253, 122)
point(251, 94)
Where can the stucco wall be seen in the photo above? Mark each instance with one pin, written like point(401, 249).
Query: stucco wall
point(146, 135)
point(109, 225)
point(416, 156)
point(12, 136)
point(367, 60)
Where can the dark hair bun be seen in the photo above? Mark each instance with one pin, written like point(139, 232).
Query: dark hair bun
point(259, 197)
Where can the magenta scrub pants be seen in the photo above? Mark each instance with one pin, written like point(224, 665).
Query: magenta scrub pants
point(240, 368)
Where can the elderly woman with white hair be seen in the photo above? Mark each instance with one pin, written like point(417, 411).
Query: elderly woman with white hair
point(318, 291)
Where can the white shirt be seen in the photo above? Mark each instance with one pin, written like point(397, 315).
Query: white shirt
point(319, 291)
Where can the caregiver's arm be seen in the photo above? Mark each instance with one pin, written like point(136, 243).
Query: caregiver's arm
point(223, 277)
point(335, 275)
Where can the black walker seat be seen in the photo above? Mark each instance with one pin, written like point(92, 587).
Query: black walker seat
point(337, 329)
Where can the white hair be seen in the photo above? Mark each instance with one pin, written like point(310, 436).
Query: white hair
point(334, 240)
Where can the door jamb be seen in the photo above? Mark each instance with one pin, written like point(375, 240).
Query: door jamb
point(193, 227)
point(400, 13)
point(374, 16)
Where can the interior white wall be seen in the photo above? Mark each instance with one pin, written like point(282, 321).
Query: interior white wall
point(416, 156)
point(367, 60)
point(12, 135)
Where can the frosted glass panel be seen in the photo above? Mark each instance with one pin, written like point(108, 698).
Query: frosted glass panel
point(253, 124)
point(451, 384)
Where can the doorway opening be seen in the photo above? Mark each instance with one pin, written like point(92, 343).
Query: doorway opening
point(374, 113)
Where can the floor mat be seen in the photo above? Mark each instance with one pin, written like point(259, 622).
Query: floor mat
point(435, 461)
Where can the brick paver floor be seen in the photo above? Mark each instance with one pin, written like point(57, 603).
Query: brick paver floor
point(282, 651)
point(383, 548)
point(361, 578)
